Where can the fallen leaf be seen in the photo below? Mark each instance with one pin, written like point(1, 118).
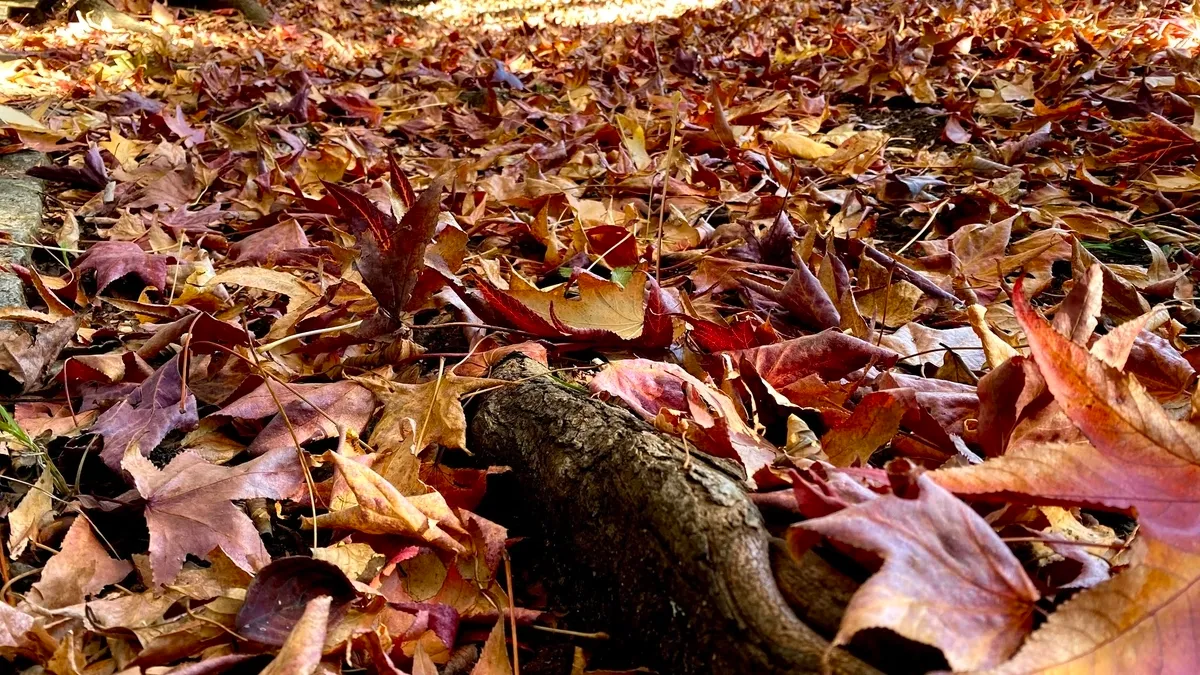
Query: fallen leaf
point(947, 580)
point(143, 419)
point(873, 423)
point(301, 653)
point(391, 253)
point(111, 260)
point(434, 408)
point(81, 568)
point(379, 508)
point(1125, 620)
point(188, 509)
point(494, 658)
point(830, 354)
point(281, 592)
point(25, 520)
point(1135, 457)
point(676, 401)
point(309, 411)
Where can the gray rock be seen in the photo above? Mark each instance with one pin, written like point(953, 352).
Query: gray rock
point(20, 218)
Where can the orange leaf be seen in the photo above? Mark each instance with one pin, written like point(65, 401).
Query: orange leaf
point(602, 306)
point(1138, 457)
point(494, 659)
point(873, 423)
point(1143, 620)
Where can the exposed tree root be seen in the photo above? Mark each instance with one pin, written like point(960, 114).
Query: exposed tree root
point(659, 547)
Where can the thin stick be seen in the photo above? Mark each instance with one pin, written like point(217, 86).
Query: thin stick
point(512, 614)
point(928, 224)
point(300, 457)
point(573, 633)
point(1068, 542)
point(308, 333)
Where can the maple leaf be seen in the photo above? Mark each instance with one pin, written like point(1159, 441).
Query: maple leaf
point(281, 244)
point(873, 423)
point(1136, 456)
point(433, 407)
point(1130, 619)
point(830, 354)
point(92, 175)
point(357, 106)
point(145, 417)
point(179, 124)
point(604, 312)
point(188, 509)
point(494, 658)
point(947, 579)
point(803, 297)
point(676, 401)
point(111, 260)
point(280, 592)
point(25, 359)
point(391, 253)
point(337, 404)
point(379, 508)
point(80, 568)
point(1155, 141)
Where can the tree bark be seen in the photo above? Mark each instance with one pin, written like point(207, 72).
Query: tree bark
point(661, 548)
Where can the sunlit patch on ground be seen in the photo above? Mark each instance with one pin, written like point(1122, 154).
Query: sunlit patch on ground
point(507, 13)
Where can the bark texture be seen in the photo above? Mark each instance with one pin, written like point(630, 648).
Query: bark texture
point(664, 548)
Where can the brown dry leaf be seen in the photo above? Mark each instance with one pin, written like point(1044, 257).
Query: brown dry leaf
point(25, 521)
point(1135, 456)
point(918, 345)
point(188, 507)
point(602, 306)
point(799, 145)
point(434, 408)
point(494, 658)
point(380, 509)
point(1124, 623)
point(856, 154)
point(679, 403)
point(313, 412)
point(947, 580)
point(301, 653)
point(81, 568)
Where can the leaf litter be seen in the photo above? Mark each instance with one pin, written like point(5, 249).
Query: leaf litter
point(821, 240)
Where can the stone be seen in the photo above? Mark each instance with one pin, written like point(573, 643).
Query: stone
point(20, 219)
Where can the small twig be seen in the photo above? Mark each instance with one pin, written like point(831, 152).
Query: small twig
point(1068, 542)
point(468, 324)
point(316, 331)
point(928, 224)
point(601, 635)
point(512, 614)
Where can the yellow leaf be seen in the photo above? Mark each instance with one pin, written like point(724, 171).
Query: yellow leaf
point(11, 117)
point(602, 305)
point(635, 141)
point(381, 509)
point(799, 146)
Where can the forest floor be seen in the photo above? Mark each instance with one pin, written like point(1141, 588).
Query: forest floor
point(813, 240)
